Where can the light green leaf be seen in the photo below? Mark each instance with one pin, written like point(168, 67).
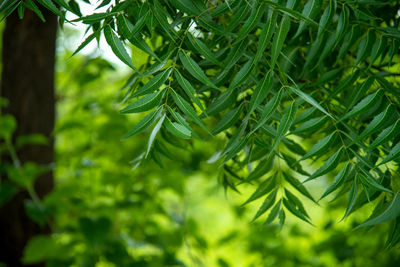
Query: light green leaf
point(194, 69)
point(145, 103)
point(117, 47)
point(177, 129)
point(328, 166)
point(284, 124)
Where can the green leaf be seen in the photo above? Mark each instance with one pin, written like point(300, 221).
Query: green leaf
point(228, 120)
point(260, 92)
point(284, 124)
point(145, 103)
point(377, 122)
point(311, 10)
point(202, 49)
point(262, 168)
point(144, 123)
point(95, 18)
point(311, 125)
point(85, 43)
point(394, 153)
point(368, 180)
point(282, 218)
point(337, 181)
point(263, 189)
point(177, 129)
point(242, 75)
point(298, 185)
point(279, 39)
point(352, 198)
point(289, 11)
point(153, 84)
point(364, 105)
point(118, 47)
point(386, 135)
point(187, 109)
point(378, 49)
point(32, 6)
point(328, 166)
point(188, 88)
point(162, 18)
point(321, 147)
point(41, 248)
point(235, 54)
point(273, 214)
point(293, 204)
point(342, 24)
point(251, 21)
point(390, 212)
point(267, 204)
point(310, 100)
point(153, 134)
point(194, 69)
point(265, 35)
point(326, 17)
point(52, 7)
point(360, 91)
point(223, 101)
point(365, 47)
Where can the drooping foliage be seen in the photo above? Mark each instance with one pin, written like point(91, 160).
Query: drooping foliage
point(297, 89)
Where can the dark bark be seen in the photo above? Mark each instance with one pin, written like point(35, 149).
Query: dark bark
point(28, 83)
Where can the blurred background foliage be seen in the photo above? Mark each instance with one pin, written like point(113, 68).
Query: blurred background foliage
point(174, 212)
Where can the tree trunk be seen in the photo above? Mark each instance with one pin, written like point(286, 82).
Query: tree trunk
point(28, 83)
